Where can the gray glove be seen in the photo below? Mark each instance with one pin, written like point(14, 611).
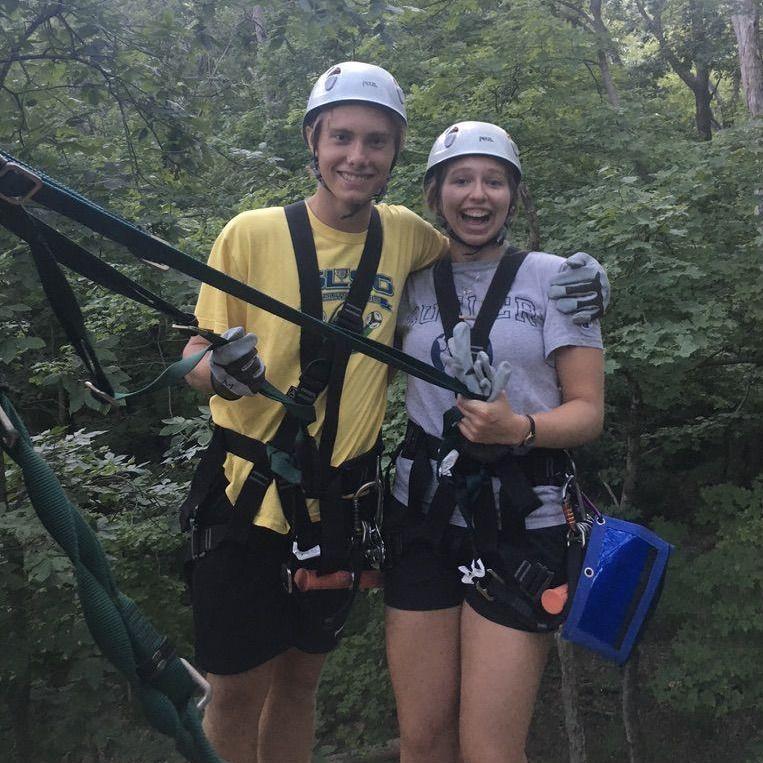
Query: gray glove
point(236, 369)
point(478, 375)
point(581, 288)
point(492, 381)
point(459, 363)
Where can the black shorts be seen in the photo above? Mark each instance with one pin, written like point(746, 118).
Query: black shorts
point(424, 577)
point(243, 615)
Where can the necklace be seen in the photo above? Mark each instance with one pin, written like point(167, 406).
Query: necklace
point(468, 296)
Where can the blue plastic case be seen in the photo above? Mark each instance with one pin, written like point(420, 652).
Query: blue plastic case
point(619, 584)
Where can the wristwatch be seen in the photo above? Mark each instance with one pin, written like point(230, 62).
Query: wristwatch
point(530, 438)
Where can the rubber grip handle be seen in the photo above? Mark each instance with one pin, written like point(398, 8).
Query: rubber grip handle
point(309, 580)
point(554, 599)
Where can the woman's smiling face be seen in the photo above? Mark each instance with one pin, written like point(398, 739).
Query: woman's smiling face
point(475, 197)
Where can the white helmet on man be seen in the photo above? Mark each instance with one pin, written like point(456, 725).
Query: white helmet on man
point(470, 138)
point(355, 82)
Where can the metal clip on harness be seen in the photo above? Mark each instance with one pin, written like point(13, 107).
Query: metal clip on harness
point(7, 168)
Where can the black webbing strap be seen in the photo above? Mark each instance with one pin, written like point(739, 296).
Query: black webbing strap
point(209, 470)
point(75, 257)
point(330, 363)
point(495, 297)
point(20, 183)
point(308, 272)
point(351, 316)
point(255, 485)
point(333, 533)
point(49, 248)
point(60, 295)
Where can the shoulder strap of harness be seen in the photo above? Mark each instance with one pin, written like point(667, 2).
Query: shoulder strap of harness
point(500, 285)
point(308, 273)
point(324, 365)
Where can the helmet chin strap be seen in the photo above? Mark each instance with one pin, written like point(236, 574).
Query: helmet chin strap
point(497, 240)
point(354, 208)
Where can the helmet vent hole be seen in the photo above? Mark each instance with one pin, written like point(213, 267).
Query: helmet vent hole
point(332, 78)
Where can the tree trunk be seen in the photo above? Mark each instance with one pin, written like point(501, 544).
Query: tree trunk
point(604, 45)
point(631, 719)
point(630, 693)
point(531, 213)
point(571, 701)
point(632, 446)
point(699, 83)
point(606, 78)
point(702, 98)
point(745, 19)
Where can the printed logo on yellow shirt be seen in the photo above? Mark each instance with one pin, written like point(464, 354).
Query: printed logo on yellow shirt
point(335, 285)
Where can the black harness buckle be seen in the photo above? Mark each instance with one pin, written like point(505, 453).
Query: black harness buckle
point(312, 381)
point(350, 318)
point(149, 669)
point(205, 539)
point(533, 578)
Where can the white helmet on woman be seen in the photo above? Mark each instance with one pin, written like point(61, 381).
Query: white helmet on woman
point(355, 82)
point(470, 138)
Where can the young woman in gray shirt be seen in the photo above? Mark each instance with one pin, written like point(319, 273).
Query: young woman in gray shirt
point(473, 549)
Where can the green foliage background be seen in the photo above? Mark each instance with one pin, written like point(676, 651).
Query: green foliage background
point(178, 115)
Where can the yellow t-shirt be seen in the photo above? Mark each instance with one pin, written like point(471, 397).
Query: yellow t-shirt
point(255, 247)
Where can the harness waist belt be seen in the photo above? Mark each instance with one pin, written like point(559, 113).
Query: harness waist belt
point(352, 471)
point(541, 466)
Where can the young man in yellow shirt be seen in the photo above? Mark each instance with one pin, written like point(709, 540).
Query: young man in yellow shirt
point(262, 647)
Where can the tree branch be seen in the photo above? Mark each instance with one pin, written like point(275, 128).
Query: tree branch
point(37, 21)
point(654, 25)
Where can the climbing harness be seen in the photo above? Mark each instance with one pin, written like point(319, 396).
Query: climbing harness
point(466, 473)
point(347, 537)
point(165, 684)
point(49, 248)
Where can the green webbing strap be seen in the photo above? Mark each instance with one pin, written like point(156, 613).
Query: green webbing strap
point(176, 372)
point(126, 638)
point(20, 182)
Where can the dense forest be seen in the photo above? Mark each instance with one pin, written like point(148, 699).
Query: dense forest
point(640, 124)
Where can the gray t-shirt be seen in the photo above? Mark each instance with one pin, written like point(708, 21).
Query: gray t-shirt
point(526, 332)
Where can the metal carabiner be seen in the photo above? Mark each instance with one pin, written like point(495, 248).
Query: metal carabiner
point(201, 682)
point(8, 433)
point(25, 173)
point(362, 491)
